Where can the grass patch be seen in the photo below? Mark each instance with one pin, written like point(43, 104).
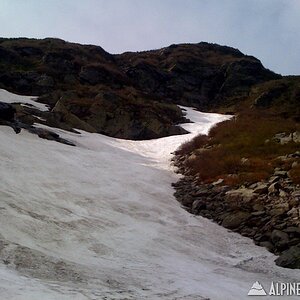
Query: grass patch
point(241, 150)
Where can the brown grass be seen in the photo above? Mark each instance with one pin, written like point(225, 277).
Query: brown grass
point(241, 150)
point(196, 143)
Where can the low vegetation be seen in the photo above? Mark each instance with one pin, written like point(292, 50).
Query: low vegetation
point(242, 150)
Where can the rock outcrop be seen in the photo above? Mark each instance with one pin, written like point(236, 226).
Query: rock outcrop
point(7, 116)
point(131, 95)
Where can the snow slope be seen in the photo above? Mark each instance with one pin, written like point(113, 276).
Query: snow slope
point(30, 101)
point(98, 221)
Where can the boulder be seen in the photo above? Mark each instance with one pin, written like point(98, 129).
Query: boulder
point(290, 258)
point(282, 194)
point(279, 238)
point(61, 115)
point(7, 116)
point(267, 245)
point(273, 188)
point(235, 197)
point(274, 179)
point(192, 158)
point(279, 209)
point(293, 230)
point(296, 154)
point(284, 138)
point(287, 139)
point(258, 206)
point(235, 219)
point(261, 188)
point(280, 173)
point(197, 206)
point(296, 136)
point(219, 181)
point(294, 212)
point(7, 112)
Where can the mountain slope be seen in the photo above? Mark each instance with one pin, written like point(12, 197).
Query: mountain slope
point(201, 75)
point(99, 220)
point(131, 95)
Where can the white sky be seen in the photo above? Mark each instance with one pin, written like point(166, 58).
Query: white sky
point(267, 29)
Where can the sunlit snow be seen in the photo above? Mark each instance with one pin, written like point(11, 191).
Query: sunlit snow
point(99, 221)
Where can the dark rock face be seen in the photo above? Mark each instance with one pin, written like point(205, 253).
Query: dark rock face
point(7, 112)
point(143, 84)
point(7, 116)
point(111, 114)
point(202, 75)
point(266, 99)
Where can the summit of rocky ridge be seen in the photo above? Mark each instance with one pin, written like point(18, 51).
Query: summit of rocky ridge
point(130, 95)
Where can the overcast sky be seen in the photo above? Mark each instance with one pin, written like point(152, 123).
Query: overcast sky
point(267, 29)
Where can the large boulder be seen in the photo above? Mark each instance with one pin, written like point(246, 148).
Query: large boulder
point(235, 219)
point(290, 258)
point(7, 116)
point(280, 239)
point(7, 112)
point(63, 118)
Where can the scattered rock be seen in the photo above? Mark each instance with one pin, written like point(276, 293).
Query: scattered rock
point(268, 212)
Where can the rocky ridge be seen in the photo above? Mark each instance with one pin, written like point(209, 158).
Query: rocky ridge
point(130, 95)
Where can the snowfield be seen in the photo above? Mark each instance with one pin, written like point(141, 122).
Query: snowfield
point(99, 221)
